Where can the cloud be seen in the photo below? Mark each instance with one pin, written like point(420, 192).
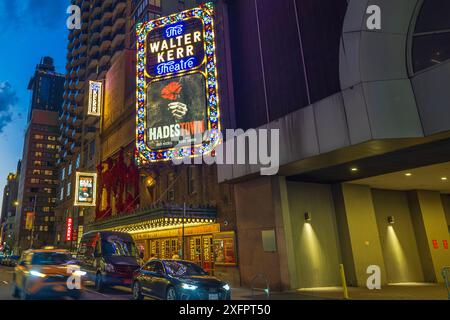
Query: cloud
point(47, 14)
point(8, 99)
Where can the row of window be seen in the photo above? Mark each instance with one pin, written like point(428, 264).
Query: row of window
point(44, 181)
point(42, 137)
point(48, 146)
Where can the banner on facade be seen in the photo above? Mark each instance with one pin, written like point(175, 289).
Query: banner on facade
point(86, 189)
point(95, 98)
point(177, 90)
point(29, 220)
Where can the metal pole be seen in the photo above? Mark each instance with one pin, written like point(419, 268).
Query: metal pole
point(344, 281)
point(32, 224)
point(182, 236)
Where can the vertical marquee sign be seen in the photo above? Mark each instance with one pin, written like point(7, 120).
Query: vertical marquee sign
point(86, 189)
point(95, 98)
point(177, 90)
point(69, 229)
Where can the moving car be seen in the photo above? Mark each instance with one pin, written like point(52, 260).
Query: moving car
point(45, 274)
point(177, 280)
point(109, 258)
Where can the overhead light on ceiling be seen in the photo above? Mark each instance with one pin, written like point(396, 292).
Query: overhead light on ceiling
point(354, 169)
point(391, 219)
point(409, 174)
point(444, 179)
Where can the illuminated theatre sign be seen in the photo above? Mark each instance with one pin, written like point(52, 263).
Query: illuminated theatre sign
point(86, 187)
point(177, 90)
point(95, 98)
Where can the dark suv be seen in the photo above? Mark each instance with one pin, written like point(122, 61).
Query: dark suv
point(109, 258)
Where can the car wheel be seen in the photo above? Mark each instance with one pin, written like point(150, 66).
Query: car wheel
point(99, 285)
point(15, 291)
point(76, 295)
point(23, 293)
point(137, 293)
point(171, 294)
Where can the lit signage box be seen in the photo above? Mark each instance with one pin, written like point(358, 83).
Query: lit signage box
point(177, 90)
point(29, 220)
point(69, 228)
point(95, 98)
point(86, 189)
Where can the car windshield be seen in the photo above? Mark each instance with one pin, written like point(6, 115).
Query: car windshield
point(50, 258)
point(183, 269)
point(114, 246)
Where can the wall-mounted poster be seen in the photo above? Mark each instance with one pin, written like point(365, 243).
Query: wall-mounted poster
point(177, 90)
point(86, 189)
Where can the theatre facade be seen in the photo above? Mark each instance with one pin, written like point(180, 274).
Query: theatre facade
point(363, 116)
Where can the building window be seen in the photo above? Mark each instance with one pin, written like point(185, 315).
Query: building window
point(51, 146)
point(38, 154)
point(38, 136)
point(78, 162)
point(431, 38)
point(39, 145)
point(63, 173)
point(51, 138)
point(170, 186)
point(69, 171)
point(34, 180)
point(191, 180)
point(69, 186)
point(61, 195)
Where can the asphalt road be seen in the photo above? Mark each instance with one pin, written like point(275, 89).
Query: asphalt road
point(89, 293)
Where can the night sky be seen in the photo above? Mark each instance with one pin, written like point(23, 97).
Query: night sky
point(29, 30)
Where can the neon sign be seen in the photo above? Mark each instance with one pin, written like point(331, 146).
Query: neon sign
point(69, 227)
point(177, 89)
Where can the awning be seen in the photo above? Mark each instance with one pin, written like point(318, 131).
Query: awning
point(157, 218)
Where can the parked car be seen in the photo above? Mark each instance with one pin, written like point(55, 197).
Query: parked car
point(10, 261)
point(177, 280)
point(109, 258)
point(45, 274)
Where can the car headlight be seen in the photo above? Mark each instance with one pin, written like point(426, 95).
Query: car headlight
point(226, 287)
point(80, 273)
point(109, 267)
point(188, 286)
point(37, 274)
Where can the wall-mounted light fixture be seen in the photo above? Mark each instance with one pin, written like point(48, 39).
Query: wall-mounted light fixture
point(307, 216)
point(391, 219)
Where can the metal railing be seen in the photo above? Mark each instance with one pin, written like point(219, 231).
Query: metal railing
point(446, 276)
point(266, 290)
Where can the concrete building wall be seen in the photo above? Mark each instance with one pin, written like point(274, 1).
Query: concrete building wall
point(398, 240)
point(430, 225)
point(446, 203)
point(316, 243)
point(357, 222)
point(256, 212)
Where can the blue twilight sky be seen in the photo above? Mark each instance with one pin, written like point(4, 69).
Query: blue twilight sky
point(29, 30)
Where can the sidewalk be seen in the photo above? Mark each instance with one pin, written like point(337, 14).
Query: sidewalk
point(410, 291)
